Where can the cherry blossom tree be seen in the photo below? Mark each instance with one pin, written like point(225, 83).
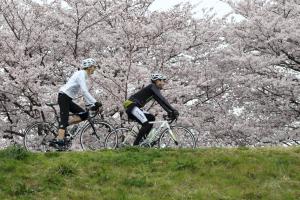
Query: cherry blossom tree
point(39, 50)
point(263, 60)
point(234, 81)
point(44, 44)
point(25, 71)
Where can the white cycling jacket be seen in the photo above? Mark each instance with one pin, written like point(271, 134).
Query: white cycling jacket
point(78, 82)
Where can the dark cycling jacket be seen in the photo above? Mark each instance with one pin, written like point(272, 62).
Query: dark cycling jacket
point(148, 93)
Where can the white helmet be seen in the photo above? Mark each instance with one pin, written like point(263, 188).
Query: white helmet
point(86, 63)
point(157, 76)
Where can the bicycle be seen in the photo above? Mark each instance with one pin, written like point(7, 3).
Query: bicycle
point(93, 133)
point(165, 136)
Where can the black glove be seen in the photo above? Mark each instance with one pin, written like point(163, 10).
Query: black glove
point(173, 114)
point(96, 106)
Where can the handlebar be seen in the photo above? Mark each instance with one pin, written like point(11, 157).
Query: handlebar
point(94, 113)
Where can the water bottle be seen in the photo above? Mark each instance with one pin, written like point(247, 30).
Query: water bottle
point(152, 134)
point(73, 129)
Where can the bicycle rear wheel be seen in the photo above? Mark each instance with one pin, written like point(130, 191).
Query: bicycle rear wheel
point(38, 135)
point(91, 139)
point(184, 138)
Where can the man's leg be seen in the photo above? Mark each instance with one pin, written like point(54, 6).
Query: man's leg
point(61, 134)
point(67, 105)
point(143, 119)
point(64, 106)
point(75, 119)
point(80, 114)
point(145, 129)
point(150, 118)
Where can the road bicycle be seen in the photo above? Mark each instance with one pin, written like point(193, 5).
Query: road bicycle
point(162, 135)
point(93, 133)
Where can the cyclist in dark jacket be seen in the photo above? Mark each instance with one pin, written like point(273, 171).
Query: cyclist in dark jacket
point(138, 100)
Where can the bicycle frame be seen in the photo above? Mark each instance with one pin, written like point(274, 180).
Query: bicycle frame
point(80, 125)
point(165, 134)
point(78, 129)
point(152, 136)
point(39, 135)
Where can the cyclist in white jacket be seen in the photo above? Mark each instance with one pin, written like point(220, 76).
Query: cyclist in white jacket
point(68, 92)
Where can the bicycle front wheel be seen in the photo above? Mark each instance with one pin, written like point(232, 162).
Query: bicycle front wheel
point(93, 136)
point(38, 135)
point(183, 138)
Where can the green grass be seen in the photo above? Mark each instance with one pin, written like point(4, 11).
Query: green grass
point(212, 173)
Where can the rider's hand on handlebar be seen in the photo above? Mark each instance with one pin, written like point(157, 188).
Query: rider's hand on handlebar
point(173, 115)
point(96, 106)
point(176, 113)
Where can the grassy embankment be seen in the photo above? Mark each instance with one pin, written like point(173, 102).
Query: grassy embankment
point(211, 173)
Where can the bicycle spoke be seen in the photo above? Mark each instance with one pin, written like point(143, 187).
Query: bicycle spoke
point(126, 137)
point(93, 139)
point(183, 138)
point(38, 135)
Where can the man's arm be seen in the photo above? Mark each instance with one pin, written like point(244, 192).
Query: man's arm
point(162, 101)
point(86, 94)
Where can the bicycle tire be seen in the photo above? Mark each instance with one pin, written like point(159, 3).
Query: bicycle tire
point(91, 140)
point(184, 137)
point(125, 136)
point(38, 135)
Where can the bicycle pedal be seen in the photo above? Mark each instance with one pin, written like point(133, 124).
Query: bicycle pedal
point(122, 138)
point(63, 148)
point(124, 144)
point(145, 145)
point(57, 143)
point(153, 143)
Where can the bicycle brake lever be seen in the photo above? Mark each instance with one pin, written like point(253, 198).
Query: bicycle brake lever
point(170, 120)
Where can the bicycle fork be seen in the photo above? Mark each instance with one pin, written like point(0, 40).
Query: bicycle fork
point(172, 135)
point(94, 129)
